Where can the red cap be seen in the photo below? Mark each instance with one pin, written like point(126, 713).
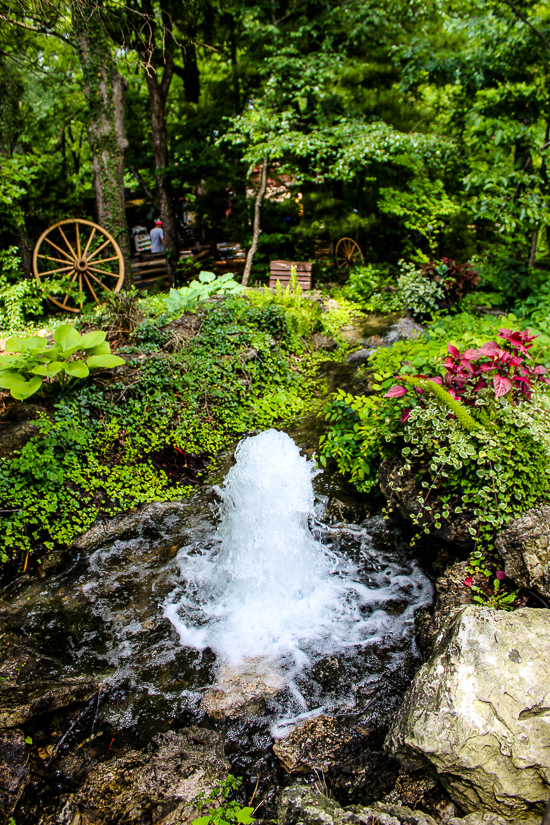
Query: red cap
point(158, 223)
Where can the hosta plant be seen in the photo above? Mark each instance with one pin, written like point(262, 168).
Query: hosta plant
point(187, 298)
point(33, 359)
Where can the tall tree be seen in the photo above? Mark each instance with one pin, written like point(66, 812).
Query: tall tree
point(153, 38)
point(105, 90)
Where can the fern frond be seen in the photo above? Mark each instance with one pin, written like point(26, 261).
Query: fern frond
point(463, 416)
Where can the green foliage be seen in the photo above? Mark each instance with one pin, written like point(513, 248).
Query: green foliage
point(446, 399)
point(187, 298)
point(418, 293)
point(20, 297)
point(494, 471)
point(33, 359)
point(365, 281)
point(100, 453)
point(221, 809)
point(56, 487)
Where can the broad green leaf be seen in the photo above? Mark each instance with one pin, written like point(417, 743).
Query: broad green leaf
point(7, 361)
point(66, 353)
point(33, 343)
point(10, 378)
point(26, 388)
point(93, 339)
point(49, 369)
point(244, 816)
point(101, 349)
point(77, 368)
point(68, 338)
point(207, 277)
point(14, 344)
point(96, 361)
point(50, 354)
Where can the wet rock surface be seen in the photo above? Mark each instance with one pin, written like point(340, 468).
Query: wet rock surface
point(160, 784)
point(305, 805)
point(408, 329)
point(242, 691)
point(323, 342)
point(360, 356)
point(451, 596)
point(18, 423)
point(525, 547)
point(479, 711)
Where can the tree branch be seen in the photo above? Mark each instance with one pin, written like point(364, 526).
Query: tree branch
point(37, 29)
point(527, 22)
point(143, 186)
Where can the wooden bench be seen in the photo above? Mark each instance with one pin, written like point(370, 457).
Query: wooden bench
point(280, 271)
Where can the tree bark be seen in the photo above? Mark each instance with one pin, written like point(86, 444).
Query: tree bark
point(158, 86)
point(25, 250)
point(105, 90)
point(191, 75)
point(256, 227)
point(533, 252)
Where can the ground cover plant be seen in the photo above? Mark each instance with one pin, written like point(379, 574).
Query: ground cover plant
point(109, 443)
point(470, 422)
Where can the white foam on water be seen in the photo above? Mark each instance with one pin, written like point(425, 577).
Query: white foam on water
point(268, 589)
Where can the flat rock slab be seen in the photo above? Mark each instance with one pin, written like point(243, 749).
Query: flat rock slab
point(241, 690)
point(161, 784)
point(525, 547)
point(479, 711)
point(20, 703)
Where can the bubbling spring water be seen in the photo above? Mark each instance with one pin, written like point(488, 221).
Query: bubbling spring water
point(269, 591)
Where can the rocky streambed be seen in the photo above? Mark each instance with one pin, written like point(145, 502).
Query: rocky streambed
point(441, 716)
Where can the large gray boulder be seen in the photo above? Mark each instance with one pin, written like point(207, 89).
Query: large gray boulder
point(525, 547)
point(479, 711)
point(302, 805)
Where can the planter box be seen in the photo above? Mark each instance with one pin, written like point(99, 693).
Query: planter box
point(280, 271)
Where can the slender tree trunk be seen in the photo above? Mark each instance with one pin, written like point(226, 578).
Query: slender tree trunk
point(157, 97)
point(256, 227)
point(533, 252)
point(25, 250)
point(191, 75)
point(105, 90)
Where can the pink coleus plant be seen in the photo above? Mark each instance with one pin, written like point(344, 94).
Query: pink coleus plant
point(504, 367)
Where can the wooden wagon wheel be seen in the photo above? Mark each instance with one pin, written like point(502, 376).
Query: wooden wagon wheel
point(85, 259)
point(348, 253)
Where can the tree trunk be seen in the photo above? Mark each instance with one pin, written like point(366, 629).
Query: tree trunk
point(191, 75)
point(533, 252)
point(105, 90)
point(256, 227)
point(157, 98)
point(25, 250)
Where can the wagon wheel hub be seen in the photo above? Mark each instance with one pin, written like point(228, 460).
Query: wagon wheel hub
point(82, 264)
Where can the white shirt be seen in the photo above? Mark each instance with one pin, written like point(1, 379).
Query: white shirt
point(157, 239)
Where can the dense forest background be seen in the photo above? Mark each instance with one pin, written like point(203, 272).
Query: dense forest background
point(414, 127)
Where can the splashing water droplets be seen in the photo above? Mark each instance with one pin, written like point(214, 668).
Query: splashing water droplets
point(267, 590)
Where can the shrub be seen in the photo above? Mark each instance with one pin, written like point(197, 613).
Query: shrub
point(478, 434)
point(417, 292)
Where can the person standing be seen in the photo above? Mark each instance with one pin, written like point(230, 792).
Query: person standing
point(157, 238)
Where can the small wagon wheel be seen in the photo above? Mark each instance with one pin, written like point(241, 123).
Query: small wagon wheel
point(348, 253)
point(83, 257)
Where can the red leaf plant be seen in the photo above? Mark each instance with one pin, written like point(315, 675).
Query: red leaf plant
point(502, 366)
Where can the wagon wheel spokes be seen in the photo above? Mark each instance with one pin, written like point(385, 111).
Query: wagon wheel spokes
point(85, 248)
point(347, 253)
